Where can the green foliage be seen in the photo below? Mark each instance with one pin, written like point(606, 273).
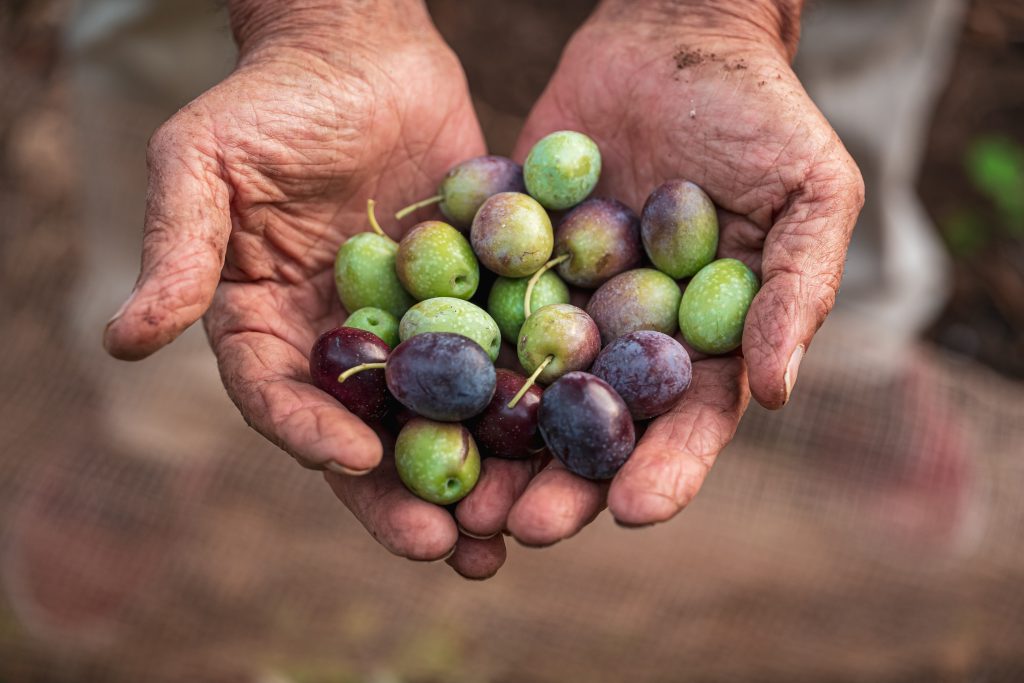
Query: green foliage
point(995, 166)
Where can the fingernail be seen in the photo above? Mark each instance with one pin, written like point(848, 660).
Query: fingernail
point(463, 531)
point(633, 525)
point(341, 469)
point(120, 311)
point(434, 560)
point(439, 559)
point(792, 368)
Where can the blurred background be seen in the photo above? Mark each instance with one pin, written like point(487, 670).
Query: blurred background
point(870, 531)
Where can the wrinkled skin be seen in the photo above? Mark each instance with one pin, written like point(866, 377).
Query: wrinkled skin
point(788, 193)
point(252, 188)
point(254, 185)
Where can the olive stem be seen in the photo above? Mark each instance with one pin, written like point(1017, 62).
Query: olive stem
point(536, 276)
point(402, 213)
point(374, 225)
point(530, 381)
point(359, 368)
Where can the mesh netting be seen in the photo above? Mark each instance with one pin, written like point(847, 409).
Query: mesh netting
point(870, 531)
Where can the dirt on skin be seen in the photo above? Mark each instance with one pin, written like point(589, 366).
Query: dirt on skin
point(686, 57)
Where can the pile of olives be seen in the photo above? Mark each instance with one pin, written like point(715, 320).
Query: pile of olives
point(418, 351)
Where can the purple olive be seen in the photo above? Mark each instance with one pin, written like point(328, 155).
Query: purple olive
point(441, 375)
point(364, 394)
point(641, 299)
point(586, 425)
point(602, 239)
point(468, 185)
point(509, 432)
point(648, 369)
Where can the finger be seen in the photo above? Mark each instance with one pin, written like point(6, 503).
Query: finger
point(268, 379)
point(187, 224)
point(802, 266)
point(484, 512)
point(478, 559)
point(671, 461)
point(404, 524)
point(555, 506)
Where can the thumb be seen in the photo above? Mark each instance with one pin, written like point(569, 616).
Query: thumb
point(802, 266)
point(187, 225)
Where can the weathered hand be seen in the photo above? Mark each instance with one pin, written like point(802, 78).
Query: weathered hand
point(690, 90)
point(254, 185)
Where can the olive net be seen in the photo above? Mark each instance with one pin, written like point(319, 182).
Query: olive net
point(870, 531)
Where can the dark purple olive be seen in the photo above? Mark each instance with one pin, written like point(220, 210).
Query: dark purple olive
point(364, 394)
point(586, 425)
point(441, 375)
point(509, 432)
point(648, 369)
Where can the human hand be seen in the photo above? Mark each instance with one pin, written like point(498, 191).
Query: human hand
point(700, 91)
point(252, 188)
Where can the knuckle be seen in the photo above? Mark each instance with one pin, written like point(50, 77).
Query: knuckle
point(182, 287)
point(856, 187)
point(162, 140)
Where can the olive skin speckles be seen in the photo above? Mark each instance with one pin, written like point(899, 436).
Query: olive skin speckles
point(506, 301)
point(375, 320)
point(565, 333)
point(467, 186)
point(364, 274)
point(512, 235)
point(715, 304)
point(679, 228)
point(434, 259)
point(437, 461)
point(562, 169)
point(445, 314)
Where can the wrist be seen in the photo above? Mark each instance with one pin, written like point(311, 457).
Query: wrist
point(326, 27)
point(775, 23)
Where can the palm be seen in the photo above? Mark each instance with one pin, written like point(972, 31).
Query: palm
point(314, 169)
point(735, 120)
point(272, 169)
point(299, 189)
